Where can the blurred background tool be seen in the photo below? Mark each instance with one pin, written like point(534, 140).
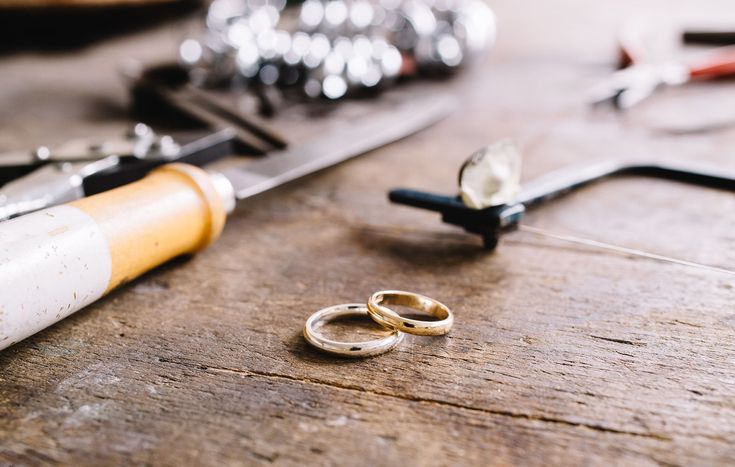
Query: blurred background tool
point(641, 74)
point(335, 47)
point(46, 176)
point(708, 37)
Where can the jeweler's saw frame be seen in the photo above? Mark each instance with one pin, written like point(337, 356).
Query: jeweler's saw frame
point(490, 223)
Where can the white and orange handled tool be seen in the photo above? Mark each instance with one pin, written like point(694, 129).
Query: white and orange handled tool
point(56, 261)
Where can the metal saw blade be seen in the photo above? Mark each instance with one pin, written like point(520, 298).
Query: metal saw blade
point(371, 131)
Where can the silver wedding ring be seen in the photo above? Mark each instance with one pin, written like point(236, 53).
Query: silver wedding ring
point(347, 349)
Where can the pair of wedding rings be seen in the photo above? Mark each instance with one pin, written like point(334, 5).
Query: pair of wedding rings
point(378, 309)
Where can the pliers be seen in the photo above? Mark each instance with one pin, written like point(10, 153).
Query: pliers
point(640, 76)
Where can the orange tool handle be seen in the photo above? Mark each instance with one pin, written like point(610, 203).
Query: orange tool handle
point(719, 64)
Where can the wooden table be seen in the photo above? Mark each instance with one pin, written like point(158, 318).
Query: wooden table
point(560, 354)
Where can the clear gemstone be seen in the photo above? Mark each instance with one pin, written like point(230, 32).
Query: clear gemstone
point(491, 176)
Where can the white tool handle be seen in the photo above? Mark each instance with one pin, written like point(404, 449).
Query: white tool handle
point(52, 263)
point(58, 260)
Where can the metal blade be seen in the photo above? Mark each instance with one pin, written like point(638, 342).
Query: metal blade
point(18, 158)
point(372, 131)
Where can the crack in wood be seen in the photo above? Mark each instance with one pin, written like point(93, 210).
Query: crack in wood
point(407, 397)
point(618, 341)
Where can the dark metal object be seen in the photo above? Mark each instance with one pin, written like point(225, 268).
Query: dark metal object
point(709, 37)
point(257, 126)
point(490, 223)
point(164, 87)
point(85, 168)
point(197, 148)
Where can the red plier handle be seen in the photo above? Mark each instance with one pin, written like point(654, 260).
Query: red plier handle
point(720, 63)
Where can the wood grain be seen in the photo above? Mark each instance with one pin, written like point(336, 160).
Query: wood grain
point(560, 354)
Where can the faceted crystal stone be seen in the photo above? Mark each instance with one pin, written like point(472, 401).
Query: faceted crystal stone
point(491, 176)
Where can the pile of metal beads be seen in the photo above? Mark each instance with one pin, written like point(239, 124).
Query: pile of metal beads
point(334, 47)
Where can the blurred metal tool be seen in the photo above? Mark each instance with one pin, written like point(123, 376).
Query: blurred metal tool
point(79, 168)
point(49, 185)
point(257, 137)
point(338, 46)
point(141, 142)
point(641, 75)
point(709, 37)
point(166, 87)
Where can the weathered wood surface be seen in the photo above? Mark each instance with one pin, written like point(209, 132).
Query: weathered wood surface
point(560, 354)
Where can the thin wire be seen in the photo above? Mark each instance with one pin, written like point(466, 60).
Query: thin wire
point(620, 249)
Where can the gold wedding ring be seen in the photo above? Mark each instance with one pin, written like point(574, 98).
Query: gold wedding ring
point(347, 349)
point(387, 317)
